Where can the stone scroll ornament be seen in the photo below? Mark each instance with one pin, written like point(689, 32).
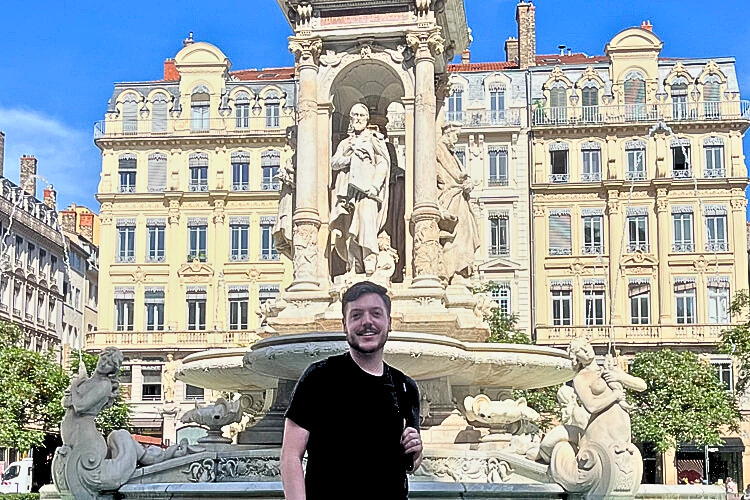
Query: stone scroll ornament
point(603, 463)
point(86, 466)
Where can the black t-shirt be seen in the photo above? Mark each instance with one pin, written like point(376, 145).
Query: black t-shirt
point(355, 422)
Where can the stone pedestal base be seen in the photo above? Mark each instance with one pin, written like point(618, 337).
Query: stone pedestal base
point(269, 430)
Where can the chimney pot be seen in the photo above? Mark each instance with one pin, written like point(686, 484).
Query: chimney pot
point(86, 225)
point(28, 174)
point(511, 49)
point(646, 25)
point(50, 197)
point(68, 221)
point(170, 71)
point(466, 56)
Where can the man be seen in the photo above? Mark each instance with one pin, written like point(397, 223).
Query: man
point(360, 194)
point(355, 415)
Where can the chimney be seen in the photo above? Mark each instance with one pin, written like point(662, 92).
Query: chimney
point(50, 197)
point(526, 34)
point(2, 152)
point(28, 174)
point(511, 49)
point(68, 220)
point(466, 56)
point(87, 226)
point(170, 71)
point(646, 25)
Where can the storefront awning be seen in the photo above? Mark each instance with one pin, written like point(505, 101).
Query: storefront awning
point(731, 445)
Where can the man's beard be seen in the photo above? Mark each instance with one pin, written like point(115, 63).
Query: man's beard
point(351, 339)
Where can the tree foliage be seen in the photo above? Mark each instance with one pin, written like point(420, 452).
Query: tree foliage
point(736, 340)
point(684, 402)
point(116, 416)
point(31, 390)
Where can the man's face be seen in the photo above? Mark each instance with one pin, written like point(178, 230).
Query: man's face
point(367, 323)
point(358, 119)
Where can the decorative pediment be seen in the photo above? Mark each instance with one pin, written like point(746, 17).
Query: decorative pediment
point(588, 76)
point(711, 68)
point(498, 265)
point(195, 271)
point(639, 258)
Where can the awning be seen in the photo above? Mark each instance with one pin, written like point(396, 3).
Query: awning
point(731, 445)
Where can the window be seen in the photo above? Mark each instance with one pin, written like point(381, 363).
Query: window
point(238, 307)
point(269, 165)
point(592, 162)
point(497, 105)
point(267, 248)
point(239, 231)
point(499, 242)
point(679, 98)
point(240, 171)
point(590, 102)
point(31, 256)
point(151, 389)
point(638, 231)
point(558, 154)
point(724, 373)
point(718, 300)
point(714, 151)
point(681, 159)
point(242, 110)
point(639, 294)
point(557, 102)
point(154, 300)
point(593, 237)
point(199, 110)
point(124, 311)
point(130, 114)
point(455, 111)
point(498, 175)
point(125, 240)
point(716, 229)
point(559, 232)
point(562, 306)
point(635, 96)
point(272, 110)
point(711, 97)
point(126, 169)
point(635, 151)
point(159, 113)
point(594, 304)
point(684, 293)
point(197, 229)
point(683, 231)
point(193, 393)
point(198, 165)
point(19, 250)
point(156, 238)
point(157, 172)
point(501, 295)
point(196, 309)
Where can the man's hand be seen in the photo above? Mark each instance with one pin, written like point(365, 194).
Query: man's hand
point(412, 443)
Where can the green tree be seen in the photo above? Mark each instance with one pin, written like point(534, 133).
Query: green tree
point(31, 390)
point(116, 416)
point(736, 340)
point(684, 402)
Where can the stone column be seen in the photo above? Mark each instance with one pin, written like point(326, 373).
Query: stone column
point(426, 44)
point(306, 218)
point(663, 228)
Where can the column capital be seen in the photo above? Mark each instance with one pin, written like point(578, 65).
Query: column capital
point(427, 43)
point(306, 50)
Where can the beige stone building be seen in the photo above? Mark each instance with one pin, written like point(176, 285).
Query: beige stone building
point(189, 198)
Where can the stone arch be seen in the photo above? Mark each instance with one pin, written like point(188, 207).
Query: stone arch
point(201, 54)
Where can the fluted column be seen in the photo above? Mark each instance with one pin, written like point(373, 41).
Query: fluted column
point(664, 242)
point(425, 44)
point(306, 218)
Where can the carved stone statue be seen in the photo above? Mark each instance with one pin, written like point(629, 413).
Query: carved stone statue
point(605, 464)
point(360, 194)
point(386, 262)
point(216, 416)
point(574, 421)
point(459, 227)
point(506, 416)
point(86, 465)
point(168, 378)
point(282, 230)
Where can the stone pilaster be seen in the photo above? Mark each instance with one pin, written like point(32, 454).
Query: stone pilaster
point(426, 44)
point(306, 218)
point(614, 213)
point(664, 243)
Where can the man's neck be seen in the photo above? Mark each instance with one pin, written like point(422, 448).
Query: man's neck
point(371, 363)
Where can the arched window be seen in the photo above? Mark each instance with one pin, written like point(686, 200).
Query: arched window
point(159, 113)
point(455, 111)
point(199, 109)
point(711, 87)
point(272, 109)
point(558, 106)
point(590, 101)
point(130, 114)
point(635, 96)
point(242, 109)
point(679, 98)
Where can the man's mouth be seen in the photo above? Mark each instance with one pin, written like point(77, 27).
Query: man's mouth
point(367, 333)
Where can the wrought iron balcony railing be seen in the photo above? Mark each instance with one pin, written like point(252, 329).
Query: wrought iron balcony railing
point(686, 247)
point(591, 177)
point(638, 247)
point(559, 178)
point(685, 173)
point(717, 246)
point(499, 251)
point(119, 127)
point(592, 249)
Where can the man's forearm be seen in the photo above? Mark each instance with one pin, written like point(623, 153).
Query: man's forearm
point(293, 478)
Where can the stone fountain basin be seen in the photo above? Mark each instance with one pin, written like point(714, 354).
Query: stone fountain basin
point(422, 356)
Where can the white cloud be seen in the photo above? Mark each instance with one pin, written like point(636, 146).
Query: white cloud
point(66, 156)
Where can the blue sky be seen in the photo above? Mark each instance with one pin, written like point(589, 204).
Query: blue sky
point(59, 59)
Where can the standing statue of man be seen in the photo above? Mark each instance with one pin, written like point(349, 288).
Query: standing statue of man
point(360, 194)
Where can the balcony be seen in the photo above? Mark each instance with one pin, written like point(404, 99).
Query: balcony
point(240, 187)
point(686, 247)
point(591, 177)
point(156, 258)
point(685, 173)
point(269, 256)
point(499, 251)
point(201, 257)
point(125, 259)
point(270, 186)
point(485, 118)
point(239, 258)
point(641, 334)
point(256, 125)
point(559, 178)
point(498, 181)
point(635, 175)
point(592, 249)
point(714, 173)
point(717, 246)
point(126, 189)
point(638, 247)
point(560, 251)
point(198, 187)
point(198, 340)
point(700, 111)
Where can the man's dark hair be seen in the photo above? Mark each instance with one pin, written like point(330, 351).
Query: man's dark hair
point(363, 288)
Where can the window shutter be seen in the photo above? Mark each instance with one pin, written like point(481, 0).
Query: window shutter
point(589, 96)
point(559, 233)
point(711, 89)
point(159, 114)
point(198, 160)
point(157, 172)
point(270, 158)
point(635, 89)
point(557, 97)
point(130, 114)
